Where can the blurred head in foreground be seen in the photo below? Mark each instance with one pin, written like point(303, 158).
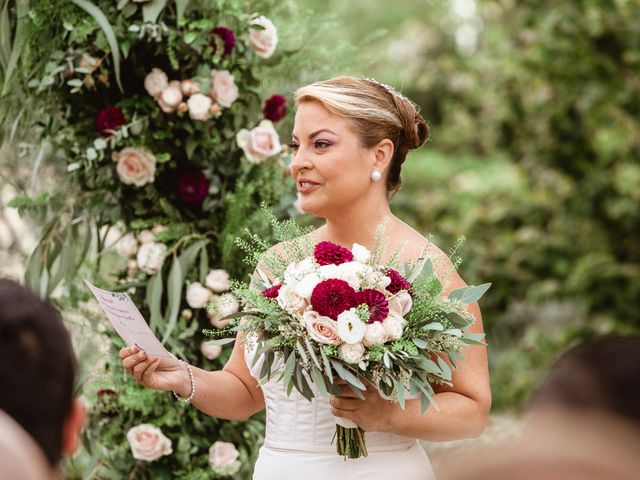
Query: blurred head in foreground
point(583, 422)
point(37, 370)
point(20, 456)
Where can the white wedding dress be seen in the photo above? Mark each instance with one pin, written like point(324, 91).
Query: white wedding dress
point(298, 443)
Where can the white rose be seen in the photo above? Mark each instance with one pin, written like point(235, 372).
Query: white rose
point(199, 106)
point(223, 88)
point(170, 97)
point(400, 303)
point(352, 273)
point(290, 301)
point(148, 443)
point(350, 328)
point(189, 87)
point(217, 280)
point(135, 166)
point(151, 257)
point(360, 253)
point(155, 82)
point(197, 295)
point(394, 325)
point(223, 458)
point(127, 246)
point(263, 41)
point(260, 143)
point(227, 304)
point(321, 329)
point(376, 280)
point(304, 288)
point(351, 352)
point(210, 351)
point(374, 334)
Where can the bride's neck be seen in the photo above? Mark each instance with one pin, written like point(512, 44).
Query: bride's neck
point(358, 224)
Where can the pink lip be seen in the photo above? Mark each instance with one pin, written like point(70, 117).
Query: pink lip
point(307, 188)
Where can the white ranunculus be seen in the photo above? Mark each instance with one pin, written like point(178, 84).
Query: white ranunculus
point(304, 288)
point(290, 301)
point(394, 325)
point(400, 303)
point(259, 143)
point(197, 295)
point(217, 280)
point(351, 352)
point(148, 443)
point(263, 41)
point(227, 304)
point(328, 271)
point(135, 166)
point(374, 334)
point(321, 329)
point(150, 257)
point(210, 351)
point(155, 82)
point(352, 273)
point(350, 328)
point(223, 88)
point(170, 97)
point(199, 106)
point(360, 253)
point(376, 280)
point(127, 246)
point(223, 458)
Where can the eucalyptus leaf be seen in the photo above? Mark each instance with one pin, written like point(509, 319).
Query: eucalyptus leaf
point(155, 286)
point(303, 385)
point(437, 326)
point(19, 41)
point(470, 294)
point(400, 392)
point(419, 342)
point(312, 353)
point(327, 366)
point(446, 370)
point(221, 341)
point(347, 376)
point(303, 354)
point(175, 283)
point(204, 265)
point(319, 382)
point(289, 367)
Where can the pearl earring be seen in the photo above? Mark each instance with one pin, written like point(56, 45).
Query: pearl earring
point(376, 175)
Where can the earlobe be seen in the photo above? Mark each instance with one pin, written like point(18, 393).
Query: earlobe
point(73, 426)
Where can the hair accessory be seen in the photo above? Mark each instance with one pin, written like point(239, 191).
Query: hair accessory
point(376, 175)
point(389, 88)
point(193, 385)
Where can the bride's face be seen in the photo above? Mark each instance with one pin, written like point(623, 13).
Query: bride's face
point(331, 168)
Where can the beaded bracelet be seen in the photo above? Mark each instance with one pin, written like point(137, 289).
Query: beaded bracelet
point(193, 386)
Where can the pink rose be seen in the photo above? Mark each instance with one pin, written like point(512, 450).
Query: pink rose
point(217, 280)
point(400, 303)
point(290, 300)
point(352, 352)
point(374, 334)
point(148, 443)
point(394, 326)
point(260, 143)
point(223, 88)
point(223, 458)
point(155, 82)
point(321, 329)
point(189, 87)
point(170, 97)
point(135, 166)
point(263, 41)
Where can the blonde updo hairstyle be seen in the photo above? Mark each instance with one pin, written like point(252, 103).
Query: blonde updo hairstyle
point(375, 112)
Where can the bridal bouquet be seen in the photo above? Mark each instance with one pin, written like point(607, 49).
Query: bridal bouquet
point(332, 312)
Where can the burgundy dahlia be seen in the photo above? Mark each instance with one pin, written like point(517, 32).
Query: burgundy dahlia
point(193, 187)
point(398, 282)
point(275, 108)
point(272, 292)
point(377, 303)
point(108, 120)
point(327, 253)
point(332, 297)
point(228, 40)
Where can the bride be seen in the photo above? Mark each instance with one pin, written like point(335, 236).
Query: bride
point(349, 141)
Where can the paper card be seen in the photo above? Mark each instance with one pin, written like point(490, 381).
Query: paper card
point(128, 321)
